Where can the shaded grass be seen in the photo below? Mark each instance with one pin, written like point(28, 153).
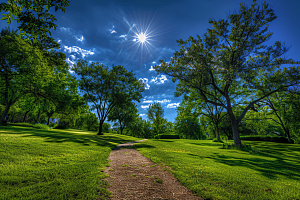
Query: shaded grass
point(268, 171)
point(54, 164)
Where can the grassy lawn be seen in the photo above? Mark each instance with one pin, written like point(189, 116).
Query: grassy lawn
point(56, 164)
point(268, 171)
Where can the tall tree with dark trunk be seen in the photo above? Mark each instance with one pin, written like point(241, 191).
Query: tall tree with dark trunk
point(106, 88)
point(233, 49)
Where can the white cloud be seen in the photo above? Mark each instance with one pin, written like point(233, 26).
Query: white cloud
point(159, 80)
point(78, 50)
point(79, 39)
point(145, 106)
point(58, 40)
point(163, 101)
point(151, 68)
point(142, 115)
point(172, 105)
point(145, 81)
point(147, 101)
point(72, 56)
point(65, 29)
point(113, 31)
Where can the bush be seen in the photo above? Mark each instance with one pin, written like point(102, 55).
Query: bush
point(41, 126)
point(279, 139)
point(167, 136)
point(216, 140)
point(60, 126)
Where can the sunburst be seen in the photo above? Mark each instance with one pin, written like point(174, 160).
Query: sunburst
point(140, 37)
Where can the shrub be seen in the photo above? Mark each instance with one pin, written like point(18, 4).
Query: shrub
point(279, 139)
point(60, 126)
point(167, 136)
point(41, 126)
point(216, 140)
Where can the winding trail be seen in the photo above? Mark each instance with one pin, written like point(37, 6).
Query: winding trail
point(133, 176)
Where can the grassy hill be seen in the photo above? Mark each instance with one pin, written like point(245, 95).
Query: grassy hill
point(269, 171)
point(54, 164)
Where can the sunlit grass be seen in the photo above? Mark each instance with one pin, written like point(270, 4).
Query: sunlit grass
point(270, 171)
point(54, 164)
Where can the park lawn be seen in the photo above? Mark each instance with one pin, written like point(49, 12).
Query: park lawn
point(55, 164)
point(268, 171)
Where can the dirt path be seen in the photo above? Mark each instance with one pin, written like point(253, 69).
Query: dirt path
point(133, 176)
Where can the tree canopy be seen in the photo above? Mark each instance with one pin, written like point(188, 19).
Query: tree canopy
point(233, 50)
point(106, 88)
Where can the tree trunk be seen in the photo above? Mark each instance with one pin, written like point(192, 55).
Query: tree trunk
point(234, 124)
point(100, 127)
point(217, 133)
point(25, 115)
point(5, 113)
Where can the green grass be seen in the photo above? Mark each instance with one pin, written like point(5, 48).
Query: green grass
point(54, 164)
point(268, 171)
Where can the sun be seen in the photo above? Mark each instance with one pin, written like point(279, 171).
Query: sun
point(142, 37)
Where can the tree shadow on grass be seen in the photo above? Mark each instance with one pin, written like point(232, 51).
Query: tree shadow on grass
point(68, 135)
point(268, 168)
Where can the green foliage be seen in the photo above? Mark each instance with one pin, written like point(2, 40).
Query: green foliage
point(167, 136)
point(279, 139)
point(140, 128)
point(155, 114)
point(105, 127)
point(41, 126)
point(123, 114)
point(187, 123)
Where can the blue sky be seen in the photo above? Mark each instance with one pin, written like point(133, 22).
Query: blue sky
point(105, 31)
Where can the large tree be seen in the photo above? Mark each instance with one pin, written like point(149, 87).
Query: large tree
point(106, 88)
point(22, 69)
point(233, 49)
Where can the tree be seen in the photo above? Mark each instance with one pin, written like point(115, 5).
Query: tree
point(124, 114)
point(155, 113)
point(233, 49)
point(106, 88)
point(22, 69)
